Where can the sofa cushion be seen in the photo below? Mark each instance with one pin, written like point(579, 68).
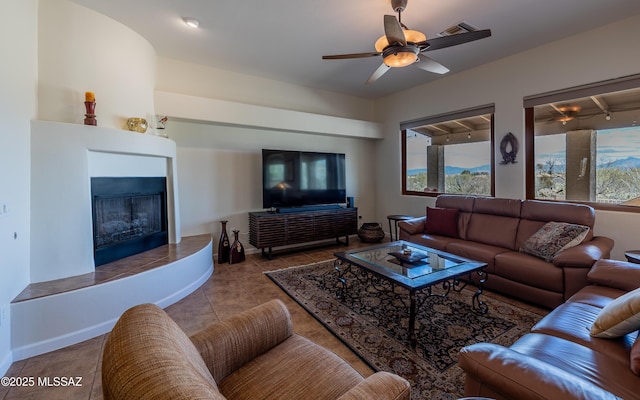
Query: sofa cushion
point(494, 222)
point(554, 237)
point(320, 374)
point(621, 275)
point(434, 241)
point(523, 268)
point(147, 356)
point(442, 221)
point(475, 251)
point(619, 317)
point(494, 230)
point(581, 362)
point(635, 357)
point(539, 212)
point(571, 321)
point(596, 295)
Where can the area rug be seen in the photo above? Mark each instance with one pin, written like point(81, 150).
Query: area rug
point(373, 318)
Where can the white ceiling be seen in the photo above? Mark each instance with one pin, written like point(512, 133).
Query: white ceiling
point(285, 40)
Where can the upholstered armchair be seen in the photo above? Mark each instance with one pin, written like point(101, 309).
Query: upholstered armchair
point(253, 355)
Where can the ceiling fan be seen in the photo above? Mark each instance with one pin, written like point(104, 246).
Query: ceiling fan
point(401, 46)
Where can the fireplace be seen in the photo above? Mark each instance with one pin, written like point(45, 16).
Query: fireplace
point(129, 216)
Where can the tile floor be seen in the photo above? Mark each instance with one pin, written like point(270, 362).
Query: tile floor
point(231, 289)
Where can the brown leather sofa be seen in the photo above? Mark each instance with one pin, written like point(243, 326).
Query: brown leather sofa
point(253, 355)
point(559, 359)
point(492, 230)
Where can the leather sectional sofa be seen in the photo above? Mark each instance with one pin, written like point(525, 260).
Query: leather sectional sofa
point(493, 230)
point(559, 359)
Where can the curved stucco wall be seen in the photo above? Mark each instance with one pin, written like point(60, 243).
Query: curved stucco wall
point(81, 50)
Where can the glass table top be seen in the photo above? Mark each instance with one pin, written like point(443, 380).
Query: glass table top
point(409, 263)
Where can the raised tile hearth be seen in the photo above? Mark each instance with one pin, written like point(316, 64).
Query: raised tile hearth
point(53, 314)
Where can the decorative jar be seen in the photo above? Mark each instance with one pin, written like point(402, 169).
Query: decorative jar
point(137, 125)
point(371, 232)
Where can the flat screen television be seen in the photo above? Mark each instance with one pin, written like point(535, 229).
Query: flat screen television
point(302, 178)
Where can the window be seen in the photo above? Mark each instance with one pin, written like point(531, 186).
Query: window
point(450, 153)
point(586, 144)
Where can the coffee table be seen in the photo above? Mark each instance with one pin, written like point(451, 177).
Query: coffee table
point(413, 267)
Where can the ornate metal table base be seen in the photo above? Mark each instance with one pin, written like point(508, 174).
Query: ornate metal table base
point(345, 270)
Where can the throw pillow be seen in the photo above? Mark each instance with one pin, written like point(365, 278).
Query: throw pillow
point(442, 221)
point(619, 317)
point(552, 238)
point(635, 356)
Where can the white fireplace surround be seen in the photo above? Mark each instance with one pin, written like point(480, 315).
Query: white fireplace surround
point(64, 159)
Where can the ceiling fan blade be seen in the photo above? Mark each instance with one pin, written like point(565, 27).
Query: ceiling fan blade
point(345, 56)
point(430, 65)
point(393, 30)
point(454, 40)
point(378, 73)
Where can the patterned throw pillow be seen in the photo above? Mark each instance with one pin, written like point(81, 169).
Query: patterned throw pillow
point(552, 238)
point(619, 317)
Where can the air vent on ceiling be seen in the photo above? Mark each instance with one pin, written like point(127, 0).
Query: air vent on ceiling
point(462, 27)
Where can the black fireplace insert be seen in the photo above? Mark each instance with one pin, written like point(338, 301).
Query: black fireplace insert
point(129, 216)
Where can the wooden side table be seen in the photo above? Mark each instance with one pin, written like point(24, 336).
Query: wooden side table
point(396, 219)
point(633, 256)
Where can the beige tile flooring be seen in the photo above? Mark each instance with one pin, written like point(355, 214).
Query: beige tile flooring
point(231, 289)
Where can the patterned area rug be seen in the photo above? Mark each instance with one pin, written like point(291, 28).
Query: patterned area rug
point(372, 318)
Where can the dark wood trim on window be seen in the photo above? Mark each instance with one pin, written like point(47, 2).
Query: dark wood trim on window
point(403, 154)
point(529, 143)
point(493, 156)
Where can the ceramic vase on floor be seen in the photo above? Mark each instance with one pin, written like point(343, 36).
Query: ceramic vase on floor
point(371, 232)
point(223, 245)
point(236, 254)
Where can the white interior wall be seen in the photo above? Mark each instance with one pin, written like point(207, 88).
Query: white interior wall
point(18, 79)
point(198, 80)
point(81, 50)
point(605, 53)
point(220, 172)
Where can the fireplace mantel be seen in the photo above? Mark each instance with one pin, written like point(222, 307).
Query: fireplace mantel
point(64, 158)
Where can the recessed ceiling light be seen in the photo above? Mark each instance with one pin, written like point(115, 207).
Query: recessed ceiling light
point(192, 22)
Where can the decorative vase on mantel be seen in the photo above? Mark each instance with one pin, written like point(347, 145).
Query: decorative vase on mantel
point(223, 245)
point(237, 249)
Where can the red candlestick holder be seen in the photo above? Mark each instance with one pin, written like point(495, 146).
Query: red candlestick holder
point(90, 116)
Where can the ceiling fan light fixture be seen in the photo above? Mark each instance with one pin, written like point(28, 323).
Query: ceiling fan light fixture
point(411, 36)
point(381, 43)
point(398, 56)
point(414, 36)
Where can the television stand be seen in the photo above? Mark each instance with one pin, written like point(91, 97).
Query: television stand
point(268, 230)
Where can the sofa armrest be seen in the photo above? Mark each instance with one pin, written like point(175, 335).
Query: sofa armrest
point(585, 254)
point(518, 376)
point(227, 345)
point(381, 385)
point(412, 226)
point(616, 274)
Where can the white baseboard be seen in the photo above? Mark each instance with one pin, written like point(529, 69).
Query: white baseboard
point(6, 362)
